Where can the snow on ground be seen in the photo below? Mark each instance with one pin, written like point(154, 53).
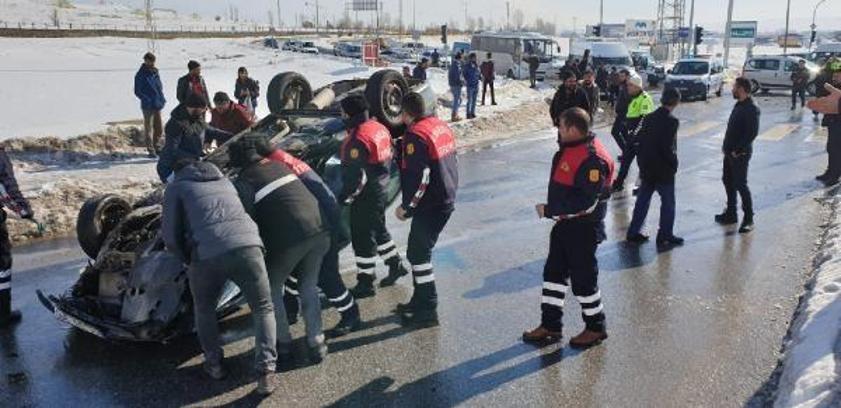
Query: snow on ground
point(810, 373)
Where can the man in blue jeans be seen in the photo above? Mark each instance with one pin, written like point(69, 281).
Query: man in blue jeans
point(658, 165)
point(472, 75)
point(456, 80)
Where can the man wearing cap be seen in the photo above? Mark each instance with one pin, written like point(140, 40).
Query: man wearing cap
point(569, 95)
point(186, 134)
point(192, 83)
point(229, 117)
point(640, 105)
point(419, 72)
point(149, 89)
point(366, 155)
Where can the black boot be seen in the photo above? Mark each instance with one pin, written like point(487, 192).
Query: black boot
point(396, 270)
point(747, 224)
point(420, 318)
point(350, 322)
point(364, 286)
point(728, 217)
point(421, 311)
point(13, 317)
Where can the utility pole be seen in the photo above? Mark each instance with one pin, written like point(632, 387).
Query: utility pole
point(601, 12)
point(279, 21)
point(508, 15)
point(400, 18)
point(692, 29)
point(727, 33)
point(414, 26)
point(785, 38)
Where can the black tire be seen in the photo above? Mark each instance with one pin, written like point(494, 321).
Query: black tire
point(510, 74)
point(754, 86)
point(384, 93)
point(97, 218)
point(288, 90)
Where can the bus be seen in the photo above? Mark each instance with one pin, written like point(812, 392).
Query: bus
point(510, 50)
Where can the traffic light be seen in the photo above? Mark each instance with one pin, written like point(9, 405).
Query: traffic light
point(812, 38)
point(597, 31)
point(699, 35)
point(444, 34)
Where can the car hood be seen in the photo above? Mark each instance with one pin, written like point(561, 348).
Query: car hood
point(687, 77)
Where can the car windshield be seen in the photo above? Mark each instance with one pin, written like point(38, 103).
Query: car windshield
point(611, 61)
point(309, 44)
point(691, 68)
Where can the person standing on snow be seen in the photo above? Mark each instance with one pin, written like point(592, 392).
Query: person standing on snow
point(456, 81)
point(472, 76)
point(149, 89)
point(247, 89)
point(419, 72)
point(18, 204)
point(488, 77)
point(534, 64)
point(192, 83)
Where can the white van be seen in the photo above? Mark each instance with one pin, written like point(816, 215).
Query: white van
point(696, 77)
point(609, 54)
point(767, 72)
point(510, 50)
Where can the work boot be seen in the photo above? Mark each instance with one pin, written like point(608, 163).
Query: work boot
point(542, 335)
point(13, 317)
point(636, 238)
point(420, 317)
point(747, 224)
point(407, 307)
point(829, 181)
point(587, 338)
point(669, 242)
point(395, 271)
point(214, 370)
point(364, 287)
point(728, 217)
point(266, 384)
point(350, 322)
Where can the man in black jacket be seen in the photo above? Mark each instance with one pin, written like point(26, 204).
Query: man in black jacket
point(192, 83)
point(742, 129)
point(14, 201)
point(833, 124)
point(657, 158)
point(621, 99)
point(186, 135)
point(570, 95)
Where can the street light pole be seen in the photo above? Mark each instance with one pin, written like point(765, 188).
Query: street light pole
point(601, 12)
point(692, 29)
point(814, 17)
point(785, 39)
point(279, 24)
point(727, 33)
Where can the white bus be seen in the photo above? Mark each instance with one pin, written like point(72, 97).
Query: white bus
point(510, 50)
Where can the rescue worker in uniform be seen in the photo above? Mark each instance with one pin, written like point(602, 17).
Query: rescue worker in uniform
point(366, 155)
point(14, 201)
point(329, 279)
point(429, 180)
point(641, 105)
point(580, 184)
point(833, 123)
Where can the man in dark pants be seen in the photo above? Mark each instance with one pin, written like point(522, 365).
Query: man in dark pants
point(640, 105)
point(742, 129)
point(657, 158)
point(569, 95)
point(329, 279)
point(149, 89)
point(429, 180)
point(799, 82)
point(488, 77)
point(833, 123)
point(14, 201)
point(294, 233)
point(579, 187)
point(593, 92)
point(366, 155)
point(620, 100)
point(534, 65)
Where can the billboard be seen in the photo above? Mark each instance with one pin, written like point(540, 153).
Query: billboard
point(640, 28)
point(743, 32)
point(365, 5)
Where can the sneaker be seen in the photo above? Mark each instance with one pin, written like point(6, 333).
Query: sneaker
point(420, 318)
point(318, 352)
point(266, 384)
point(727, 218)
point(637, 238)
point(14, 317)
point(542, 335)
point(350, 322)
point(669, 242)
point(395, 272)
point(587, 339)
point(364, 287)
point(747, 225)
point(214, 370)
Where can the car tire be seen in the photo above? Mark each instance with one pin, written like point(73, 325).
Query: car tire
point(97, 218)
point(384, 93)
point(754, 86)
point(288, 90)
point(510, 74)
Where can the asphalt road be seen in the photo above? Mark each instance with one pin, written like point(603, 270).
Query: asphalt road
point(698, 326)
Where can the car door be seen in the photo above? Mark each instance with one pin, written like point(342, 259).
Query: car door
point(785, 76)
point(773, 72)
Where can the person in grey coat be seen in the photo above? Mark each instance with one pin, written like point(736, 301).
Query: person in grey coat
point(206, 226)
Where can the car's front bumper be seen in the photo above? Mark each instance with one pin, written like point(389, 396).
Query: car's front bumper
point(688, 89)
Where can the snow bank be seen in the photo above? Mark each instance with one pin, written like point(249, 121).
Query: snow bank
point(810, 373)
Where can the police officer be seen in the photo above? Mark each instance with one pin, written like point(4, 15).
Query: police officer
point(619, 99)
point(579, 187)
point(429, 180)
point(641, 105)
point(366, 155)
point(15, 201)
point(329, 279)
point(833, 123)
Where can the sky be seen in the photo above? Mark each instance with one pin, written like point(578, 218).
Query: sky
point(709, 13)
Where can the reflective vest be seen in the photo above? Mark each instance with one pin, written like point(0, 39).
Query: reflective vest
point(641, 105)
point(375, 137)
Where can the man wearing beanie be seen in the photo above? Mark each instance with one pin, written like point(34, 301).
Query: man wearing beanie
point(366, 155)
point(192, 83)
point(186, 134)
point(640, 106)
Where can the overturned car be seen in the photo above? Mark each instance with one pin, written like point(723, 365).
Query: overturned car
point(133, 289)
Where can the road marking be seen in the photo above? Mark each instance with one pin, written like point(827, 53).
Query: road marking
point(778, 132)
point(698, 128)
point(818, 136)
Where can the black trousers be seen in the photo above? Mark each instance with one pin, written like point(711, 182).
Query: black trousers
point(424, 233)
point(628, 156)
point(618, 133)
point(485, 84)
point(370, 237)
point(572, 261)
point(798, 92)
point(735, 179)
point(5, 268)
point(833, 150)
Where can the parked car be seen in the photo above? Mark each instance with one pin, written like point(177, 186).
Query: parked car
point(308, 47)
point(291, 45)
point(767, 72)
point(352, 51)
point(696, 77)
point(133, 289)
point(339, 49)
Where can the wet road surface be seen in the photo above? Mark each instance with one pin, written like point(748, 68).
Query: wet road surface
point(698, 326)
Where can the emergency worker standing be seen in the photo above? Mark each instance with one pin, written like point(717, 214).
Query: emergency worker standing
point(579, 187)
point(366, 155)
point(640, 106)
point(429, 180)
point(17, 203)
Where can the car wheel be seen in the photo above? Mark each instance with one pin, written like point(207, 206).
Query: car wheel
point(288, 90)
point(754, 86)
point(812, 89)
point(97, 218)
point(510, 74)
point(719, 91)
point(384, 92)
